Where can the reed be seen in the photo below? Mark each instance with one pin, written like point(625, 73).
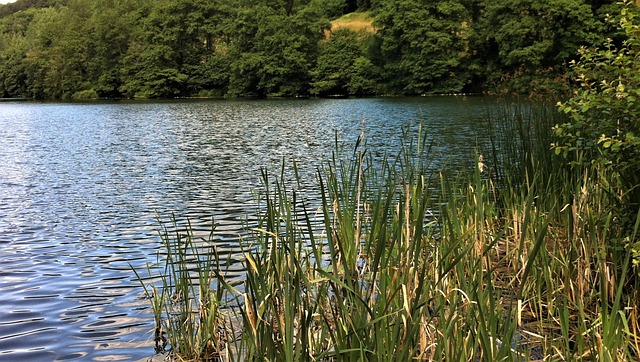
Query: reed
point(498, 264)
point(186, 296)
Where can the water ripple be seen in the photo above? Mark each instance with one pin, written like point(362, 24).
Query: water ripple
point(83, 188)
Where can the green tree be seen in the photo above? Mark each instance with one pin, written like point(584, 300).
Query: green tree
point(210, 76)
point(604, 112)
point(423, 45)
point(57, 53)
point(154, 65)
point(13, 76)
point(540, 32)
point(343, 67)
point(272, 53)
point(331, 8)
point(13, 49)
point(113, 25)
point(530, 39)
point(183, 49)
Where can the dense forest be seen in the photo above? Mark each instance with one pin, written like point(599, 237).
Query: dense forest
point(62, 49)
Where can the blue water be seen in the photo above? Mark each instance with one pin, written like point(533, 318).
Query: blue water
point(82, 187)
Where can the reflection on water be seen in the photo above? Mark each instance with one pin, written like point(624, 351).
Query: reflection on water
point(82, 185)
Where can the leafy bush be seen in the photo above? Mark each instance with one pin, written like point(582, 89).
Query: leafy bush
point(603, 128)
point(85, 94)
point(604, 112)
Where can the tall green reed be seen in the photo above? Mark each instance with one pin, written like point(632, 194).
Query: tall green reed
point(186, 296)
point(510, 264)
point(583, 263)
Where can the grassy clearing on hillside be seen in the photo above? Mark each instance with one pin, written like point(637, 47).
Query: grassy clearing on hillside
point(358, 21)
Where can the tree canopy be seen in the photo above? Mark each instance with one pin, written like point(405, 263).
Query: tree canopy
point(60, 49)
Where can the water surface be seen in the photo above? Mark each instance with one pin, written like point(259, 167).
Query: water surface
point(82, 185)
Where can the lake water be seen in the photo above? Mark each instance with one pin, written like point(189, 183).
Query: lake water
point(82, 186)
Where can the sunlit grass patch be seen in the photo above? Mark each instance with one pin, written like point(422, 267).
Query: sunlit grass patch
point(358, 22)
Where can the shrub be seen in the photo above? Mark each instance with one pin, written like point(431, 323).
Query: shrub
point(85, 94)
point(603, 127)
point(604, 112)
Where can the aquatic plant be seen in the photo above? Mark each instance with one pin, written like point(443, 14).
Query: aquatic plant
point(186, 298)
point(401, 263)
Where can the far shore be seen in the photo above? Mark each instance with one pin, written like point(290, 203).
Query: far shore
point(14, 99)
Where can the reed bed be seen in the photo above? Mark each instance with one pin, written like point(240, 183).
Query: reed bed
point(495, 264)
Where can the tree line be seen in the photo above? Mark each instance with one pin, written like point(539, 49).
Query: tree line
point(61, 49)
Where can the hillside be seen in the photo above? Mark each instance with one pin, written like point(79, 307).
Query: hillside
point(63, 49)
point(12, 8)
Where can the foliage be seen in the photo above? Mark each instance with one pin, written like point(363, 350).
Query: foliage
point(539, 33)
point(85, 94)
point(170, 48)
point(604, 124)
point(167, 47)
point(279, 63)
point(518, 43)
point(21, 5)
point(333, 8)
point(343, 67)
point(423, 44)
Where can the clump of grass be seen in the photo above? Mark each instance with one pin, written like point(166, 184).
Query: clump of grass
point(400, 264)
point(186, 298)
